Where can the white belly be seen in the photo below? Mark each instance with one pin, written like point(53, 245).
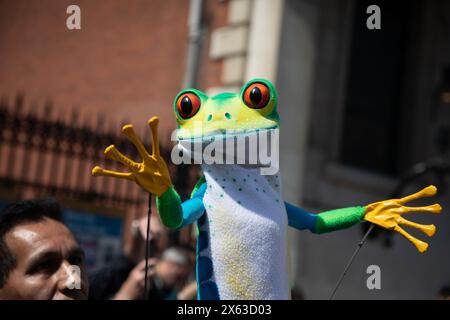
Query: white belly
point(247, 225)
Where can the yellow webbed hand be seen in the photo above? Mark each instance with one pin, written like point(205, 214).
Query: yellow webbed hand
point(151, 174)
point(388, 214)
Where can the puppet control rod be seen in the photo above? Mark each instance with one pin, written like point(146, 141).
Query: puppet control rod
point(360, 244)
point(147, 245)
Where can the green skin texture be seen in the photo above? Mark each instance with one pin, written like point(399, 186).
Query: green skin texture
point(169, 208)
point(169, 204)
point(339, 219)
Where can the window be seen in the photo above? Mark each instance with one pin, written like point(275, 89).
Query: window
point(372, 111)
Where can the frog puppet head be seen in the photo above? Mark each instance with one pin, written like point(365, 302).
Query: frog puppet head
point(229, 128)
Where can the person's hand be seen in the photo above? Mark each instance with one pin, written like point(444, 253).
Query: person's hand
point(141, 227)
point(188, 292)
point(134, 246)
point(151, 174)
point(388, 214)
point(133, 287)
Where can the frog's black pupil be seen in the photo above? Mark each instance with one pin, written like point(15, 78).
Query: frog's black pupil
point(255, 96)
point(186, 105)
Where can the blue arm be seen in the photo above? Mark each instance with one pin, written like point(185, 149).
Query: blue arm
point(327, 221)
point(194, 207)
point(300, 219)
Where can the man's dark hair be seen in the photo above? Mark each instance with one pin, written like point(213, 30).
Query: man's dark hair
point(18, 213)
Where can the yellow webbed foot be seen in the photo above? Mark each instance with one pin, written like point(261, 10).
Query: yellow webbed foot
point(388, 214)
point(151, 174)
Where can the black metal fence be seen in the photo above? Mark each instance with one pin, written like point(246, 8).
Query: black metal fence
point(43, 153)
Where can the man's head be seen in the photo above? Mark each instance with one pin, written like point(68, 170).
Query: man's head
point(174, 266)
point(40, 258)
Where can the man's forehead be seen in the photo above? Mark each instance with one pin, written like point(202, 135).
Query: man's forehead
point(45, 228)
point(25, 235)
point(29, 237)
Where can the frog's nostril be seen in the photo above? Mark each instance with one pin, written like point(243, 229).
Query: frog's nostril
point(227, 115)
point(209, 117)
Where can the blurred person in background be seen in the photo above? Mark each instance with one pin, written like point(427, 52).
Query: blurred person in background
point(107, 281)
point(39, 256)
point(158, 237)
point(166, 276)
point(189, 290)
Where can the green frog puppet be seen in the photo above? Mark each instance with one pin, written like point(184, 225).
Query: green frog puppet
point(240, 213)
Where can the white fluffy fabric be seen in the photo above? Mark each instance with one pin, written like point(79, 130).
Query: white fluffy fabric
point(247, 224)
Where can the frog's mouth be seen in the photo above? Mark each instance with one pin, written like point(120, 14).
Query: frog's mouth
point(255, 148)
point(223, 134)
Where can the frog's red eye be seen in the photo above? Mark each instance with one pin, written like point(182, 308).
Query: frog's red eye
point(188, 105)
point(257, 95)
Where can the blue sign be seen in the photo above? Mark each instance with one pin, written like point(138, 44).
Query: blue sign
point(100, 236)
